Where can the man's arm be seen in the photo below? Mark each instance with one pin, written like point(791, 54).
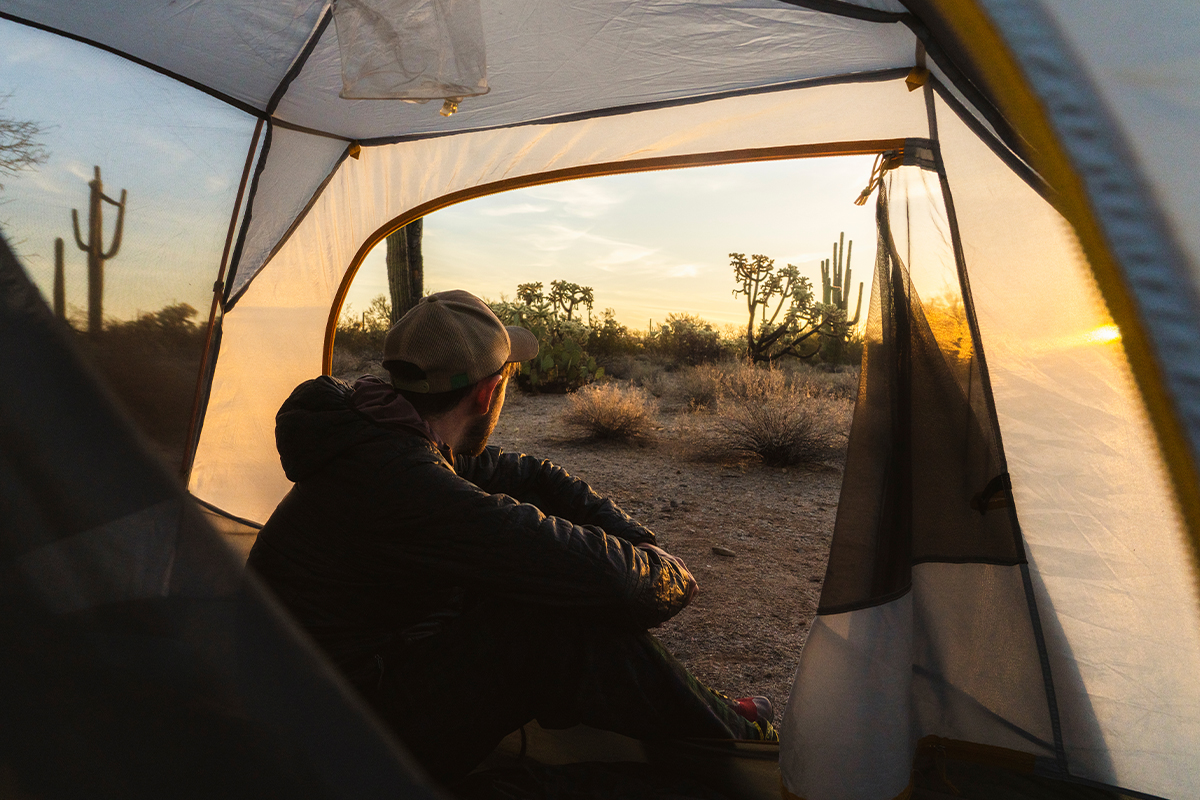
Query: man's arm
point(491, 543)
point(551, 488)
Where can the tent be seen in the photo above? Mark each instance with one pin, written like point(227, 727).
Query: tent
point(1013, 575)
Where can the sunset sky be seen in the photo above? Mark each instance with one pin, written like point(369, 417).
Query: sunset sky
point(650, 243)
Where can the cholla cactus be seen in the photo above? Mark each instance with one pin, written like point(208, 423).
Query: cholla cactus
point(94, 247)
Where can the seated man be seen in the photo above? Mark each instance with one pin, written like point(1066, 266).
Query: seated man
point(462, 590)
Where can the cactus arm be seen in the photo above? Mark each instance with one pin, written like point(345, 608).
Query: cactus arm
point(75, 224)
point(857, 306)
point(116, 242)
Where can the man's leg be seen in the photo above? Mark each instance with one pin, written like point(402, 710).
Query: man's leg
point(452, 697)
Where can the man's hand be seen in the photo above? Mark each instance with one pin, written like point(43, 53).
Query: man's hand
point(691, 587)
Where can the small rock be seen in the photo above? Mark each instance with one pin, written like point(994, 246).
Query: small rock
point(723, 551)
point(814, 578)
point(674, 504)
point(690, 532)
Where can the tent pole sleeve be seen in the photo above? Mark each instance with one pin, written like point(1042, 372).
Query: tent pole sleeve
point(202, 376)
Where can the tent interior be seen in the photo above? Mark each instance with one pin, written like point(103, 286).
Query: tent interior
point(1010, 607)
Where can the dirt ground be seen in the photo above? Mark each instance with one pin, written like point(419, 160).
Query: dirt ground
point(744, 632)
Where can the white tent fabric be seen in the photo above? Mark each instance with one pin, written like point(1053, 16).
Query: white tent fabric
point(296, 166)
point(587, 87)
point(577, 57)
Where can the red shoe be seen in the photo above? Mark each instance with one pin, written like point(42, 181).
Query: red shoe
point(754, 709)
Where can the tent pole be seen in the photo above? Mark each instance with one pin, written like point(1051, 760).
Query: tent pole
point(189, 447)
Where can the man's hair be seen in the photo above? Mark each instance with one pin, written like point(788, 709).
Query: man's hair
point(436, 404)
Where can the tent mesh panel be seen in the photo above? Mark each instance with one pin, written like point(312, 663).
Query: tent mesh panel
point(924, 480)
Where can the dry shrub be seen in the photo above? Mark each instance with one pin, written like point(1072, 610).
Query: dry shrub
point(761, 413)
point(699, 387)
point(610, 411)
point(834, 385)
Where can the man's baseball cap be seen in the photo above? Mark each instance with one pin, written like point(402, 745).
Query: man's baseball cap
point(456, 340)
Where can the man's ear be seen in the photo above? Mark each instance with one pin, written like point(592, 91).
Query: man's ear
point(484, 394)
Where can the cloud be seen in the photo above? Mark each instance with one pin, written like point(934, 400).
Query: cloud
point(552, 238)
point(620, 253)
point(216, 183)
point(586, 199)
point(683, 271)
point(79, 169)
point(518, 208)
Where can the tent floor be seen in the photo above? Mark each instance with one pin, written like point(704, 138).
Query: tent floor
point(583, 763)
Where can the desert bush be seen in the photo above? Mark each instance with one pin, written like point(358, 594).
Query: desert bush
point(841, 385)
point(748, 383)
point(700, 387)
point(610, 341)
point(686, 339)
point(364, 333)
point(760, 412)
point(652, 375)
point(151, 363)
point(823, 380)
point(562, 363)
point(610, 411)
point(784, 431)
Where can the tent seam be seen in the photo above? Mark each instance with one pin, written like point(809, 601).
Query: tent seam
point(247, 217)
point(312, 201)
point(294, 70)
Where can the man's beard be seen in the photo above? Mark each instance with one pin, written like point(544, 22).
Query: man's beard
point(476, 436)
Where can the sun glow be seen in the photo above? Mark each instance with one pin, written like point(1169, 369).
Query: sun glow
point(1103, 335)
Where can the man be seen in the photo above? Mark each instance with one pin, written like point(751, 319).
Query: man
point(462, 590)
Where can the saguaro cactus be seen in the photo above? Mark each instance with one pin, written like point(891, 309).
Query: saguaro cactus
point(60, 281)
point(405, 268)
point(94, 247)
point(835, 281)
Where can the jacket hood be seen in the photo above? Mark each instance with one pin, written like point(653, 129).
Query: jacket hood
point(325, 417)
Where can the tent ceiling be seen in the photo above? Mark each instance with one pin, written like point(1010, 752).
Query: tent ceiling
point(573, 57)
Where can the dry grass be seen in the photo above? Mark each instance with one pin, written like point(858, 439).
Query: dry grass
point(700, 387)
point(610, 411)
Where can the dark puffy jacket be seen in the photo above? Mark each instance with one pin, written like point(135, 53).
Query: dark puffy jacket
point(381, 537)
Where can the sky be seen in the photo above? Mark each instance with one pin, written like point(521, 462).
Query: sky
point(178, 153)
point(649, 244)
